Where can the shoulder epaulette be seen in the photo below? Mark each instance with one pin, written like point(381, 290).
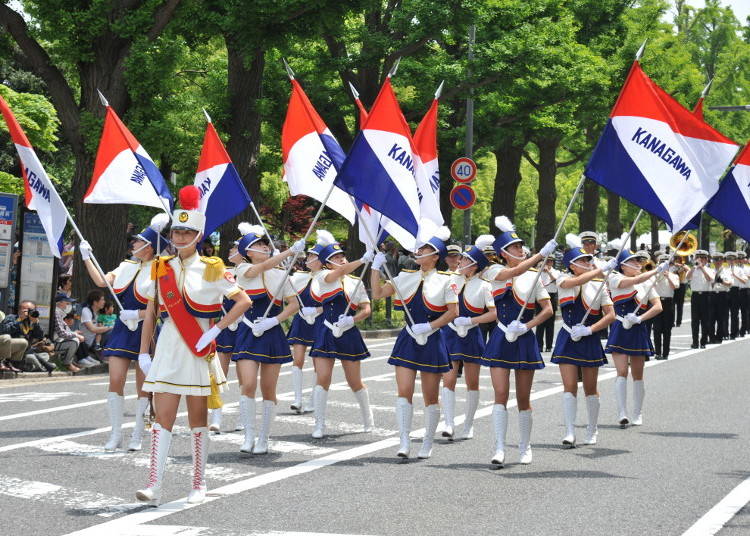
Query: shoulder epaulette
point(408, 271)
point(533, 270)
point(446, 272)
point(158, 267)
point(214, 269)
point(598, 279)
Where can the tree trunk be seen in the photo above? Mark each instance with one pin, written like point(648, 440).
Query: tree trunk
point(705, 231)
point(654, 233)
point(589, 207)
point(508, 178)
point(614, 225)
point(547, 192)
point(245, 87)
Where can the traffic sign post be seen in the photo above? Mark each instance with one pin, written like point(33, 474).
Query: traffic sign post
point(463, 170)
point(463, 197)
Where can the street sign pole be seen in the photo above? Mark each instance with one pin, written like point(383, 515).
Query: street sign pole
point(469, 144)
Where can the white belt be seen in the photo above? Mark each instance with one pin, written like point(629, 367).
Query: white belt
point(337, 331)
point(310, 319)
point(421, 339)
point(461, 331)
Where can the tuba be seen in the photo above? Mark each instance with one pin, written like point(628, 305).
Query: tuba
point(688, 246)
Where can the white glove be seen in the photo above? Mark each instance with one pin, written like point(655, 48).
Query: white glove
point(127, 315)
point(633, 318)
point(580, 331)
point(462, 321)
point(144, 361)
point(85, 248)
point(309, 311)
point(345, 321)
point(419, 329)
point(519, 328)
point(298, 246)
point(548, 248)
point(367, 257)
point(378, 261)
point(262, 325)
point(275, 252)
point(663, 267)
point(207, 338)
point(610, 265)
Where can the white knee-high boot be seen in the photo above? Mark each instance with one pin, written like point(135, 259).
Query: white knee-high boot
point(161, 439)
point(297, 388)
point(500, 422)
point(320, 400)
point(524, 445)
point(404, 414)
point(136, 439)
point(592, 405)
point(449, 409)
point(214, 420)
point(472, 403)
point(570, 407)
point(363, 397)
point(269, 413)
point(621, 393)
point(639, 391)
point(115, 407)
point(432, 418)
point(247, 418)
point(200, 455)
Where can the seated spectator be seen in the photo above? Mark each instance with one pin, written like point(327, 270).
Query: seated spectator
point(94, 304)
point(25, 325)
point(11, 349)
point(107, 316)
point(67, 341)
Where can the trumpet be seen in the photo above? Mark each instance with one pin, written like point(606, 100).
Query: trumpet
point(689, 244)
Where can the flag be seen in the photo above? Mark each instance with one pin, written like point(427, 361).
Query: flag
point(311, 155)
point(124, 172)
point(428, 171)
point(380, 169)
point(698, 110)
point(658, 155)
point(731, 204)
point(40, 193)
point(223, 196)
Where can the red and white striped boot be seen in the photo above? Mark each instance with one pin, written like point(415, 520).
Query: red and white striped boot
point(200, 455)
point(161, 440)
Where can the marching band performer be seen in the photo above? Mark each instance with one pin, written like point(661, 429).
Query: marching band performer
point(720, 302)
point(225, 344)
point(548, 280)
point(129, 281)
point(701, 277)
point(577, 350)
point(628, 341)
point(453, 257)
point(261, 346)
point(666, 286)
point(301, 334)
point(337, 336)
point(738, 281)
point(464, 342)
point(432, 304)
point(512, 291)
point(679, 294)
point(188, 291)
point(744, 269)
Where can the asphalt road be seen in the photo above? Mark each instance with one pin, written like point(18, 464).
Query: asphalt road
point(660, 478)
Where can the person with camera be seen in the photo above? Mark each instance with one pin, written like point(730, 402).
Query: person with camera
point(25, 325)
point(11, 349)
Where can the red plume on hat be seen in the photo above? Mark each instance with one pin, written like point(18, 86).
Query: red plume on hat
point(190, 197)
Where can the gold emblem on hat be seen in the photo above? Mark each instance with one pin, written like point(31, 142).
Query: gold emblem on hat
point(183, 217)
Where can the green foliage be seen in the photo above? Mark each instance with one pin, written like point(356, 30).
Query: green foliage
point(36, 115)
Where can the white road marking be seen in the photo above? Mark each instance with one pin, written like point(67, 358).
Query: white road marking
point(35, 396)
point(178, 530)
point(718, 516)
point(308, 449)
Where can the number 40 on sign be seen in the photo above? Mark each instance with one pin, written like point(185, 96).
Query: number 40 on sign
point(463, 170)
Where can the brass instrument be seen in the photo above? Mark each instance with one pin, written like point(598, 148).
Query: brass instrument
point(649, 265)
point(688, 247)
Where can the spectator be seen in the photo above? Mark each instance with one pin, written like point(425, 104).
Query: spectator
point(67, 341)
point(11, 349)
point(406, 262)
point(391, 257)
point(107, 316)
point(207, 249)
point(65, 285)
point(94, 304)
point(25, 325)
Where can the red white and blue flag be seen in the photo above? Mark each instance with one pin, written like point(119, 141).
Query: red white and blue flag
point(223, 196)
point(428, 169)
point(40, 193)
point(124, 172)
point(311, 155)
point(380, 170)
point(657, 154)
point(731, 204)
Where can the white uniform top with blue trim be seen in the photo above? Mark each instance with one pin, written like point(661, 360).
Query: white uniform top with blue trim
point(549, 280)
point(637, 292)
point(129, 271)
point(589, 296)
point(265, 284)
point(437, 291)
point(520, 285)
point(475, 294)
point(322, 291)
point(299, 280)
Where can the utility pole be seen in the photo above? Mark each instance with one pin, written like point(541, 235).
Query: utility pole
point(469, 142)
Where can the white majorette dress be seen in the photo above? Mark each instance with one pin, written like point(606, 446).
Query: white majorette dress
point(427, 296)
point(333, 298)
point(574, 302)
point(300, 331)
point(271, 346)
point(225, 340)
point(634, 341)
point(203, 282)
point(509, 295)
point(466, 343)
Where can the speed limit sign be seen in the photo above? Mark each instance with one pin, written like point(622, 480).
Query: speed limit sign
point(463, 170)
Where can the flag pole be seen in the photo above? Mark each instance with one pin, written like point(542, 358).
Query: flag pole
point(557, 233)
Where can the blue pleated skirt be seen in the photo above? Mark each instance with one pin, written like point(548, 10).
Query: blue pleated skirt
point(634, 341)
point(469, 349)
point(225, 341)
point(349, 347)
point(271, 347)
point(522, 354)
point(301, 332)
point(432, 357)
point(587, 352)
point(122, 342)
